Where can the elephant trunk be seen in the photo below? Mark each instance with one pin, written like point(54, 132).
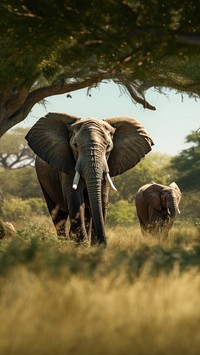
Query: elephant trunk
point(91, 168)
point(77, 178)
point(172, 206)
point(95, 197)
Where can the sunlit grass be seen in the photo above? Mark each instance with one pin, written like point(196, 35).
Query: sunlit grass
point(140, 295)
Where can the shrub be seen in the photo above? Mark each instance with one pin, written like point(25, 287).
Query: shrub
point(189, 206)
point(16, 208)
point(38, 205)
point(121, 213)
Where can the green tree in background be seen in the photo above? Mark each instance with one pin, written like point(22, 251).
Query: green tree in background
point(51, 47)
point(187, 164)
point(21, 183)
point(154, 167)
point(14, 150)
point(186, 167)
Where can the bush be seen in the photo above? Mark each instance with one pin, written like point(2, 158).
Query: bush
point(189, 206)
point(121, 213)
point(16, 208)
point(38, 205)
point(20, 183)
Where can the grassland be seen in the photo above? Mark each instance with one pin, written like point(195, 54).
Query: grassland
point(137, 296)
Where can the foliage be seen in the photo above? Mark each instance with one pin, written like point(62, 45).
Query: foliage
point(121, 213)
point(23, 182)
point(14, 209)
point(154, 167)
point(37, 205)
point(14, 150)
point(197, 224)
point(189, 206)
point(187, 164)
point(109, 33)
point(137, 289)
point(52, 47)
point(20, 183)
point(6, 230)
point(40, 250)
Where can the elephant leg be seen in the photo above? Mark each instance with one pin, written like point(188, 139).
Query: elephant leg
point(77, 230)
point(143, 226)
point(58, 216)
point(155, 221)
point(143, 222)
point(167, 223)
point(88, 222)
point(59, 221)
point(76, 206)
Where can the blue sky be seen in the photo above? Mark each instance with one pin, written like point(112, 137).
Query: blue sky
point(167, 126)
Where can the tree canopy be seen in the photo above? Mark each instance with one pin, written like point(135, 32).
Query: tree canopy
point(52, 47)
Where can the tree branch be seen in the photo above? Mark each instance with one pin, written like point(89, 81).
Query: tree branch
point(133, 92)
point(62, 86)
point(56, 88)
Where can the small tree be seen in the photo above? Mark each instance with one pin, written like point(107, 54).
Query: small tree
point(20, 183)
point(187, 164)
point(154, 166)
point(14, 150)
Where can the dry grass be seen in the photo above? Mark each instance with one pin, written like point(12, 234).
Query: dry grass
point(137, 296)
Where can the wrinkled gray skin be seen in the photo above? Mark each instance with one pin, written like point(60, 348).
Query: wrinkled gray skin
point(94, 150)
point(156, 207)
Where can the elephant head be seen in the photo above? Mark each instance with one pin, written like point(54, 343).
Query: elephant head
point(90, 149)
point(164, 197)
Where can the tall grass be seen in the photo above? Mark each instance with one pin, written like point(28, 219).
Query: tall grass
point(137, 296)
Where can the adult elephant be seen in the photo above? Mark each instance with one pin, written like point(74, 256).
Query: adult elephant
point(75, 163)
point(156, 207)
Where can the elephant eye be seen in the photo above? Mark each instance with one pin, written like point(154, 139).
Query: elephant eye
point(74, 146)
point(109, 148)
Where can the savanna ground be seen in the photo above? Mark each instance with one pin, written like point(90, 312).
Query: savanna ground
point(137, 296)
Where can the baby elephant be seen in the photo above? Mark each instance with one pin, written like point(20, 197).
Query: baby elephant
point(156, 207)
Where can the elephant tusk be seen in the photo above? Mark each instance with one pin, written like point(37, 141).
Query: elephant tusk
point(110, 182)
point(76, 181)
point(177, 209)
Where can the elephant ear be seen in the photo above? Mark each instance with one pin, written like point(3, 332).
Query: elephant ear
point(49, 139)
point(131, 143)
point(152, 195)
point(175, 186)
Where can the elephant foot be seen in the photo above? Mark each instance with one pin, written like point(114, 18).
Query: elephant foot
point(60, 229)
point(98, 241)
point(79, 238)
